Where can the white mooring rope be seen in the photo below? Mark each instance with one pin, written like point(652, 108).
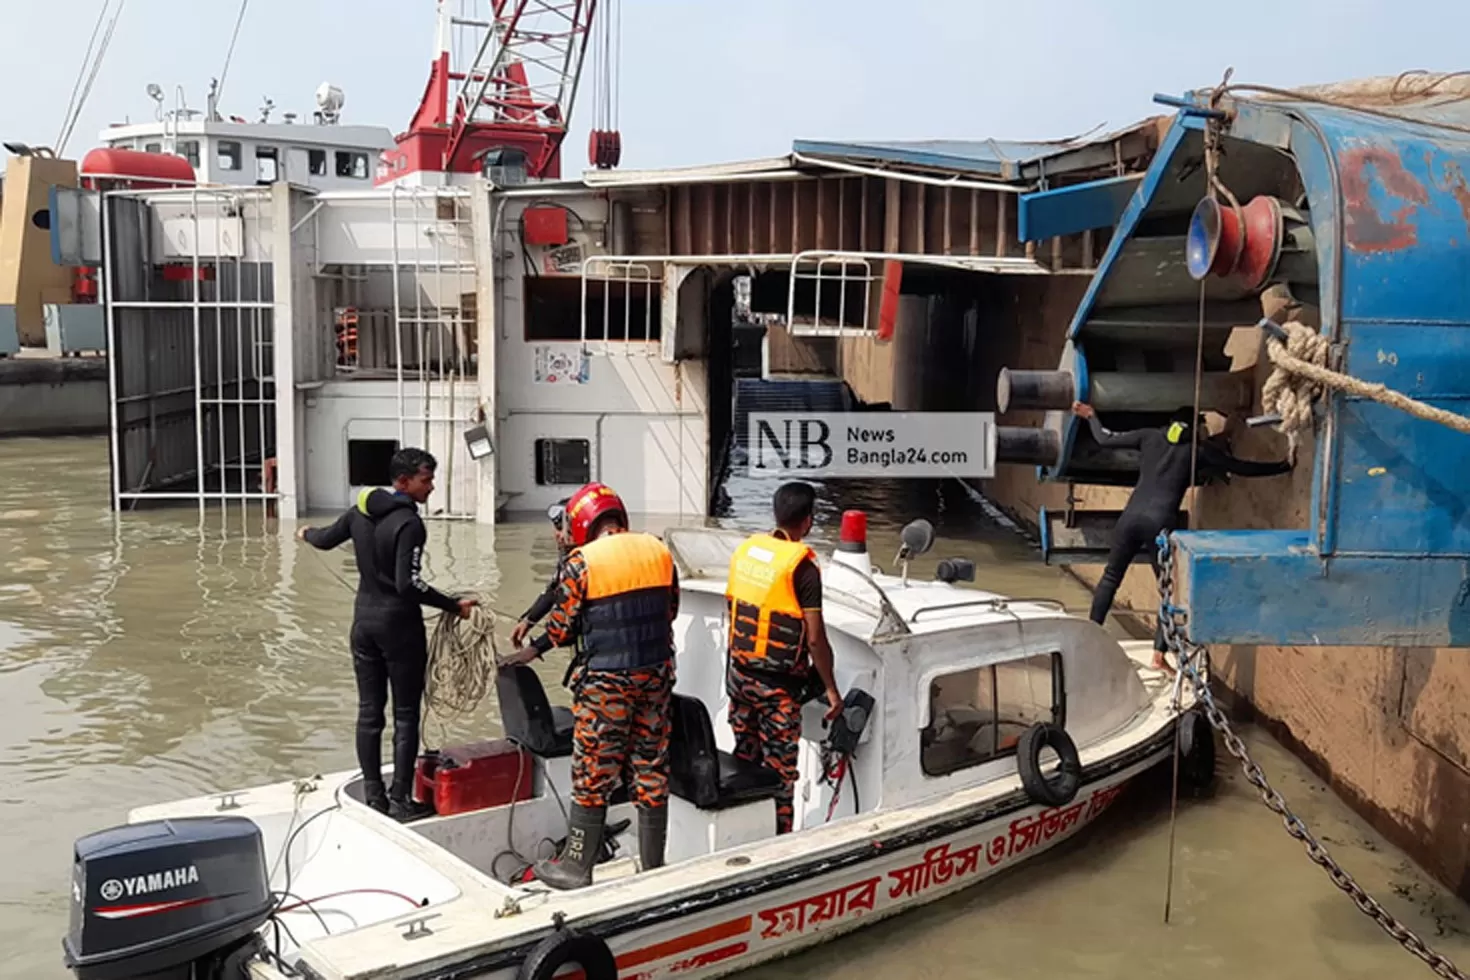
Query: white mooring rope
point(461, 669)
point(1300, 375)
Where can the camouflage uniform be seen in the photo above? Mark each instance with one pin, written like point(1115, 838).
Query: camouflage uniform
point(619, 610)
point(766, 720)
point(773, 583)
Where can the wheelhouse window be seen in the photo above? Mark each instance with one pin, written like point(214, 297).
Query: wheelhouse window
point(615, 311)
point(368, 462)
point(189, 150)
point(978, 715)
point(352, 165)
point(267, 165)
point(316, 162)
point(563, 462)
point(227, 155)
point(153, 148)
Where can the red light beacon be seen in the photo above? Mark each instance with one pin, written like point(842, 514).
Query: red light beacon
point(852, 541)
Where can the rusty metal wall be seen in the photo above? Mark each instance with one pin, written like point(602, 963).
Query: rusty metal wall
point(857, 214)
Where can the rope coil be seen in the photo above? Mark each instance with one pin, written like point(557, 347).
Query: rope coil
point(461, 668)
point(1300, 375)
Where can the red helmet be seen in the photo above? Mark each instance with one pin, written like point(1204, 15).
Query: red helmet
point(588, 504)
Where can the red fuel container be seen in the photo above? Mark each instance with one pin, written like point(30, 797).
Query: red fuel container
point(476, 776)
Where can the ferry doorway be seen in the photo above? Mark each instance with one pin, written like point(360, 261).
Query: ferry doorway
point(720, 314)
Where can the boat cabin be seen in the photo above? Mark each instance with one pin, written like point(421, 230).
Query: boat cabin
point(327, 158)
point(227, 150)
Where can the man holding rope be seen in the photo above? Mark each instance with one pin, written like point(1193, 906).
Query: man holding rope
point(618, 597)
point(546, 601)
point(389, 645)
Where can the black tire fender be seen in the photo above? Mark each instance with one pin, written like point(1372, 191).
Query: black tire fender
point(569, 946)
point(1056, 790)
point(1196, 750)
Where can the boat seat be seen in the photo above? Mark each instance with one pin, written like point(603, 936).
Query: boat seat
point(529, 718)
point(703, 774)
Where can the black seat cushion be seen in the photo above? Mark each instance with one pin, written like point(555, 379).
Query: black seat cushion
point(704, 775)
point(537, 725)
point(562, 722)
point(528, 717)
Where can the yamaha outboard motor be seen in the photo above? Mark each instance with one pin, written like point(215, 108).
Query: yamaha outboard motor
point(168, 900)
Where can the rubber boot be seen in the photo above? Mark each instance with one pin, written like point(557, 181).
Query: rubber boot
point(653, 832)
point(408, 809)
point(374, 795)
point(573, 868)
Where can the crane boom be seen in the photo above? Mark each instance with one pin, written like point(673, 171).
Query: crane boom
point(505, 76)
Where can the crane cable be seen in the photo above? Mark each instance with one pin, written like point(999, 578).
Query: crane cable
point(82, 90)
point(219, 89)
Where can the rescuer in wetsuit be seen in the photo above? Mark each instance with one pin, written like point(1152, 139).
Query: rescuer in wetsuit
point(776, 638)
point(544, 603)
point(1164, 473)
point(618, 597)
point(389, 645)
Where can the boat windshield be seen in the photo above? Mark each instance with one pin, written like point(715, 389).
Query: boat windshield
point(703, 552)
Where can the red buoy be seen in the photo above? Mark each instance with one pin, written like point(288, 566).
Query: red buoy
point(119, 168)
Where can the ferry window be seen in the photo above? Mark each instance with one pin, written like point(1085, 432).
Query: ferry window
point(353, 165)
point(227, 154)
point(189, 150)
point(980, 714)
point(153, 148)
point(267, 165)
point(621, 311)
point(367, 461)
point(316, 162)
point(563, 462)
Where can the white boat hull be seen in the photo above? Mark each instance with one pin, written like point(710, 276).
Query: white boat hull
point(738, 923)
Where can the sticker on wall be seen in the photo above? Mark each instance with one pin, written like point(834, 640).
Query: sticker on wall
point(566, 260)
point(561, 365)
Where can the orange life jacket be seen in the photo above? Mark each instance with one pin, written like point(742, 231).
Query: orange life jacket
point(625, 620)
point(767, 628)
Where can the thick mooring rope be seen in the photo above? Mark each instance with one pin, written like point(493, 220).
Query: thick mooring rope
point(1301, 374)
point(461, 670)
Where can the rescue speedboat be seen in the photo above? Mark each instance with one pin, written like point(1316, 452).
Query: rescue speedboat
point(979, 731)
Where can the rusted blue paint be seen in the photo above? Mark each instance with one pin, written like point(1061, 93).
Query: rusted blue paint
point(1270, 587)
point(1385, 559)
point(1070, 210)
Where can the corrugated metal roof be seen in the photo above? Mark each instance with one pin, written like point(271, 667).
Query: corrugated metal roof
point(695, 174)
point(991, 158)
point(994, 158)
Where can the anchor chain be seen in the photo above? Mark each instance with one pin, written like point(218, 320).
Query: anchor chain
point(1190, 655)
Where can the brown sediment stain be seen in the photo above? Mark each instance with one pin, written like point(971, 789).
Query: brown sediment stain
point(1410, 833)
point(1366, 230)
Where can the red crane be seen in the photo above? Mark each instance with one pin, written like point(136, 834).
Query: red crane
point(505, 77)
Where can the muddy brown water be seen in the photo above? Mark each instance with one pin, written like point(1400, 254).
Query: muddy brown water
point(165, 655)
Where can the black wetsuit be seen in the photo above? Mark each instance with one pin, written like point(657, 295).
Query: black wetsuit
point(1163, 478)
point(389, 645)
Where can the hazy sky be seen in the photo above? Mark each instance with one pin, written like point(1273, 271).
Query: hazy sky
point(715, 80)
